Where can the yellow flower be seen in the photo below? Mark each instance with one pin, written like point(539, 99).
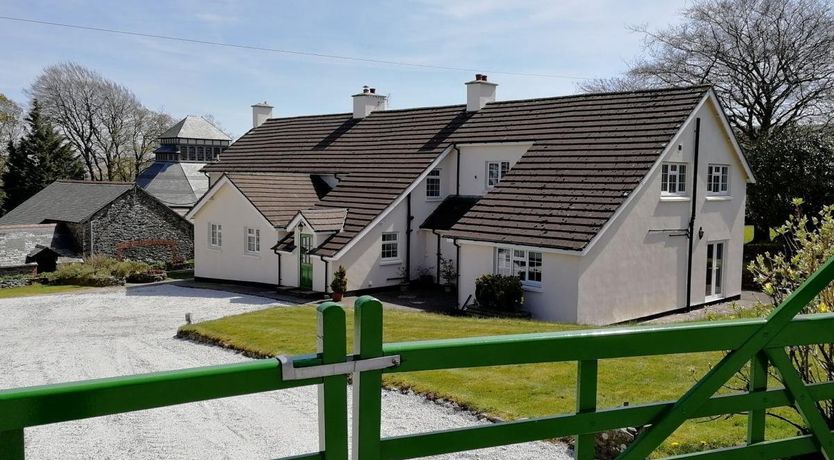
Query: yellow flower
point(768, 289)
point(823, 308)
point(675, 444)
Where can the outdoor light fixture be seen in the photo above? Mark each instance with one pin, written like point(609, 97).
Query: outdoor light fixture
point(701, 233)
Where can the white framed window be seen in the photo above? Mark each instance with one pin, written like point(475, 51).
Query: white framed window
point(496, 170)
point(252, 239)
point(673, 179)
point(215, 235)
point(433, 185)
point(390, 246)
point(718, 179)
point(526, 265)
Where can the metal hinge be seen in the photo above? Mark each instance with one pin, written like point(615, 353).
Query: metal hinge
point(290, 372)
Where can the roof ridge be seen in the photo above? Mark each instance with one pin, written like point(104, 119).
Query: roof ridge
point(93, 182)
point(604, 93)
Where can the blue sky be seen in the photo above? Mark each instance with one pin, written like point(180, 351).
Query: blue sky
point(582, 38)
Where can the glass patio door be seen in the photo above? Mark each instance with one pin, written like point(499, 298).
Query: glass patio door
point(715, 271)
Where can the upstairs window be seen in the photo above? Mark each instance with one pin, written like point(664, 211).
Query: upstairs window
point(390, 246)
point(673, 179)
point(433, 185)
point(526, 265)
point(496, 170)
point(216, 235)
point(253, 240)
point(718, 179)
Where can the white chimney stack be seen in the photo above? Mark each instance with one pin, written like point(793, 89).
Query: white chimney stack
point(260, 113)
point(479, 92)
point(368, 101)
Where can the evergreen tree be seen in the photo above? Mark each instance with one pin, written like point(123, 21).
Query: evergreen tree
point(39, 158)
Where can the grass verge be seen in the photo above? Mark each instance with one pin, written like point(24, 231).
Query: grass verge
point(507, 392)
point(35, 289)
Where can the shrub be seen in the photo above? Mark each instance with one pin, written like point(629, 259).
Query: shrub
point(339, 283)
point(104, 271)
point(447, 270)
point(499, 292)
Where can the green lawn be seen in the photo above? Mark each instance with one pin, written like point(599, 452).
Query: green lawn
point(508, 392)
point(36, 289)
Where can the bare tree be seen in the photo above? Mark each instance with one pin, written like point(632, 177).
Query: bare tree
point(103, 120)
point(146, 128)
point(11, 122)
point(771, 62)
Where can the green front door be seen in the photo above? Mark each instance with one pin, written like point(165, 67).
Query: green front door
point(306, 267)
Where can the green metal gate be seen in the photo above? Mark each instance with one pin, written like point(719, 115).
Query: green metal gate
point(760, 342)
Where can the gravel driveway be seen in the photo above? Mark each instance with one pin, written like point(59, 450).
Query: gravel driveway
point(105, 333)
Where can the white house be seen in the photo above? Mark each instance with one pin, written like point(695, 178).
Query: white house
point(609, 207)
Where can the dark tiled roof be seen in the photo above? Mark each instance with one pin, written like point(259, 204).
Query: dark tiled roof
point(449, 212)
point(177, 185)
point(192, 127)
point(325, 219)
point(590, 151)
point(65, 201)
point(277, 196)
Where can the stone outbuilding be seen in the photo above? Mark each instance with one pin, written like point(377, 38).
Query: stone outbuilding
point(115, 219)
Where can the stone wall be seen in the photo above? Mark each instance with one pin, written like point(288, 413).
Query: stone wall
point(137, 226)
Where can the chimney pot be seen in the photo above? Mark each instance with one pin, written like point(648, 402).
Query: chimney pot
point(373, 90)
point(260, 113)
point(483, 77)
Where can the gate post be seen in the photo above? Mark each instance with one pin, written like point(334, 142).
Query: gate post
point(332, 394)
point(11, 444)
point(367, 385)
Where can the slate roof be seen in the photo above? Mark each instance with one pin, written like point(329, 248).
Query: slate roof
point(65, 201)
point(19, 241)
point(589, 153)
point(449, 211)
point(277, 196)
point(192, 127)
point(177, 185)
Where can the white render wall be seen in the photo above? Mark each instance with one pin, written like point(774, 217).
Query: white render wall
point(234, 212)
point(632, 273)
point(473, 160)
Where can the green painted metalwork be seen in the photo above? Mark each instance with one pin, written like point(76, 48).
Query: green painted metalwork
point(332, 346)
point(586, 402)
point(803, 401)
point(11, 445)
point(755, 341)
point(757, 382)
point(367, 399)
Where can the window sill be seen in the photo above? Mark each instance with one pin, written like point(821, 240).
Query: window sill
point(390, 261)
point(532, 288)
point(434, 198)
point(254, 255)
point(718, 198)
point(215, 248)
point(674, 199)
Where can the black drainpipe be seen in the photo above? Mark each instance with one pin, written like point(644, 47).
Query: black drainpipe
point(408, 219)
point(457, 172)
point(279, 267)
point(326, 274)
point(439, 255)
point(457, 268)
point(691, 229)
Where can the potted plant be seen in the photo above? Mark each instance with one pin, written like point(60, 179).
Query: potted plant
point(339, 284)
point(403, 279)
point(448, 273)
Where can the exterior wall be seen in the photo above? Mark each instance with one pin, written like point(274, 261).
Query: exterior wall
point(137, 226)
point(234, 212)
point(555, 300)
point(473, 159)
point(633, 272)
point(363, 263)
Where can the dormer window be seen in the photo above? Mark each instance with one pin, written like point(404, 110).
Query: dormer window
point(673, 179)
point(496, 170)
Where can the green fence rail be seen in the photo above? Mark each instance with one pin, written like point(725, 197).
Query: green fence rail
point(759, 342)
